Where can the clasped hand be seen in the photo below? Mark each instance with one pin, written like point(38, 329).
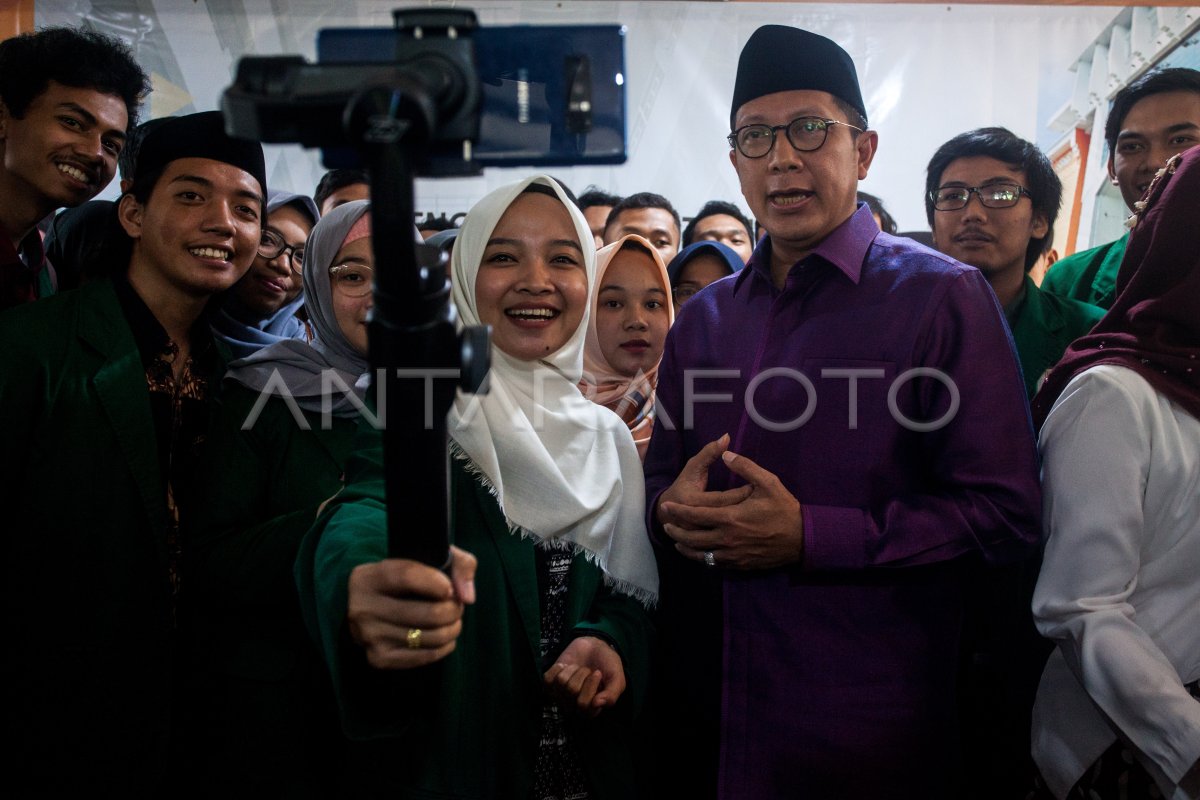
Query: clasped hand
point(588, 675)
point(756, 526)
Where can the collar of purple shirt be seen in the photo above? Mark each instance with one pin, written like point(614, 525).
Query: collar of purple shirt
point(845, 248)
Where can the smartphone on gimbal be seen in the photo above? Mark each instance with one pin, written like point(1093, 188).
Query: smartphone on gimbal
point(533, 80)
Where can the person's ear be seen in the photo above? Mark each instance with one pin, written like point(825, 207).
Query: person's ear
point(131, 214)
point(1039, 226)
point(866, 145)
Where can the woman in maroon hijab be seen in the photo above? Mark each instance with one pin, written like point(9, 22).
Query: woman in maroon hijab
point(1119, 589)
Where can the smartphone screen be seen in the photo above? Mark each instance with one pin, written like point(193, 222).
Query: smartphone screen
point(528, 75)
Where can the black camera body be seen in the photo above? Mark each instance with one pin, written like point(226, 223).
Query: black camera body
point(504, 96)
point(430, 96)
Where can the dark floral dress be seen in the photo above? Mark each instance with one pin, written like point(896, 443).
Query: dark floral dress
point(558, 773)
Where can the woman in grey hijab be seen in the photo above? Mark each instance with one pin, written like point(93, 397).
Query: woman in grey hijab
point(336, 359)
point(264, 712)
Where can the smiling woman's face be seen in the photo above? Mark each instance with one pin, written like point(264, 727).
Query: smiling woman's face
point(532, 288)
point(272, 283)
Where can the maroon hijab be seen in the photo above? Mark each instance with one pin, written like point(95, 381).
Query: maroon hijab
point(1153, 327)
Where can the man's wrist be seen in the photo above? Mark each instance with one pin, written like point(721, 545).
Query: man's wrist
point(801, 536)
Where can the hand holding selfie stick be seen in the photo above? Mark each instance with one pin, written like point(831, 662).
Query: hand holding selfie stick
point(393, 117)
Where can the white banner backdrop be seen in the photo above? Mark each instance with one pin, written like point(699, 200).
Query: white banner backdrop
point(928, 73)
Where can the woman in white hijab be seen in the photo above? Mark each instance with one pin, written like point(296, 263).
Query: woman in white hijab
point(539, 636)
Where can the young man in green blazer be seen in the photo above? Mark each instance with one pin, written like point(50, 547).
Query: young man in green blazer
point(992, 198)
point(103, 409)
point(1150, 120)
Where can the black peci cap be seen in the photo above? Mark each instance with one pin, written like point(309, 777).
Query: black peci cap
point(199, 135)
point(779, 58)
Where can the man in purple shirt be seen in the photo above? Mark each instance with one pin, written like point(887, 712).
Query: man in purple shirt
point(841, 433)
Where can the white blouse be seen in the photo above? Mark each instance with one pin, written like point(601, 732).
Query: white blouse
point(1119, 589)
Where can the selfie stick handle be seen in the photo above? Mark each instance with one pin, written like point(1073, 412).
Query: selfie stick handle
point(396, 116)
point(415, 351)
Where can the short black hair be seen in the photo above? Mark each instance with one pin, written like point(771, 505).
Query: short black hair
point(336, 179)
point(852, 116)
point(711, 209)
point(127, 161)
point(595, 196)
point(74, 57)
point(1174, 79)
point(644, 200)
point(887, 222)
point(432, 223)
point(1045, 188)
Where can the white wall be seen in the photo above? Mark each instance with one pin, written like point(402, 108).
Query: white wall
point(928, 72)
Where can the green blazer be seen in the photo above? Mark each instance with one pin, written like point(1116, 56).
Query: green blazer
point(47, 282)
point(468, 726)
point(262, 717)
point(87, 611)
point(1043, 326)
point(1089, 276)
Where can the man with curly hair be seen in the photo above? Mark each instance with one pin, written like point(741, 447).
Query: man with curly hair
point(68, 98)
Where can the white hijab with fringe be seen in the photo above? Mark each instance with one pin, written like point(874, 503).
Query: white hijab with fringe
point(564, 470)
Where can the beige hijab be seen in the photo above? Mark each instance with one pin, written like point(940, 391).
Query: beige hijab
point(601, 381)
point(563, 469)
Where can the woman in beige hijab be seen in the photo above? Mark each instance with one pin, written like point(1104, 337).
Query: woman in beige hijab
point(631, 315)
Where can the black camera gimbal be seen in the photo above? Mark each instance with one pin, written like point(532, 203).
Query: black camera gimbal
point(418, 114)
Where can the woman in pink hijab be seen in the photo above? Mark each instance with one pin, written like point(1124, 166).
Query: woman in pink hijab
point(626, 334)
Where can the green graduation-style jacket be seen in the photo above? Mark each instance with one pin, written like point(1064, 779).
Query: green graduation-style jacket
point(466, 727)
point(1089, 276)
point(89, 661)
point(1042, 328)
point(261, 713)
